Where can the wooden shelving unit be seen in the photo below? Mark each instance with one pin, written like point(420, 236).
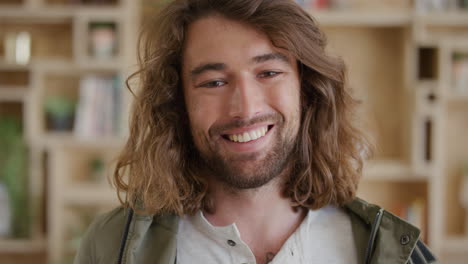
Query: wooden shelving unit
point(61, 186)
point(400, 66)
point(391, 170)
point(443, 124)
point(379, 18)
point(21, 246)
point(399, 63)
point(457, 18)
point(378, 48)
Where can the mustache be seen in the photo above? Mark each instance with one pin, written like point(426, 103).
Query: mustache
point(239, 123)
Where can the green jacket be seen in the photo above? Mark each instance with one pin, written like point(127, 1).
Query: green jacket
point(123, 237)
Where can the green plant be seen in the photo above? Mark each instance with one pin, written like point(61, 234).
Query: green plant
point(97, 168)
point(13, 172)
point(60, 106)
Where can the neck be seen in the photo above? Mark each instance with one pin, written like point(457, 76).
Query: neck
point(264, 217)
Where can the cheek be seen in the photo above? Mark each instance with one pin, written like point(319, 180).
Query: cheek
point(287, 100)
point(201, 112)
point(196, 125)
point(294, 105)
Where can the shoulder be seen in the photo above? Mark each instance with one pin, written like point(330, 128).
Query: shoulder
point(329, 216)
point(102, 240)
point(113, 235)
point(382, 234)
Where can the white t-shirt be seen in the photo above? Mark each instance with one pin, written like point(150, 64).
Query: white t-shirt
point(324, 236)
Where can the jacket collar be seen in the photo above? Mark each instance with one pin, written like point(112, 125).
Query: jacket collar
point(394, 241)
point(395, 238)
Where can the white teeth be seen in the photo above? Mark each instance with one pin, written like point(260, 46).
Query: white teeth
point(249, 136)
point(253, 135)
point(246, 137)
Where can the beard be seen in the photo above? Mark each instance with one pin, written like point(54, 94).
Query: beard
point(252, 170)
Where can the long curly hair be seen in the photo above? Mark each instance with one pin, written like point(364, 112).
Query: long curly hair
point(157, 169)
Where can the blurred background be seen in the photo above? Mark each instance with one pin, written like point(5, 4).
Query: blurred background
point(64, 110)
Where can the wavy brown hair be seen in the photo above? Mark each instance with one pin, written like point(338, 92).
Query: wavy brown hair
point(157, 169)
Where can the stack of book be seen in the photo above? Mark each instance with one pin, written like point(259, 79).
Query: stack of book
point(440, 5)
point(99, 107)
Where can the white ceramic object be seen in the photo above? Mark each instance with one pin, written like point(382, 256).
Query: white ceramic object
point(5, 213)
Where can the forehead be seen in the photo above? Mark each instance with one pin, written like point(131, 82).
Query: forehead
point(221, 39)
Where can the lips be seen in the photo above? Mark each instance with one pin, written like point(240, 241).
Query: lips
point(240, 132)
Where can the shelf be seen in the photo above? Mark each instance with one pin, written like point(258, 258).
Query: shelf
point(68, 139)
point(427, 84)
point(4, 65)
point(453, 97)
point(90, 194)
point(455, 244)
point(380, 18)
point(57, 14)
point(390, 170)
point(448, 18)
point(60, 66)
point(21, 245)
point(101, 65)
point(13, 94)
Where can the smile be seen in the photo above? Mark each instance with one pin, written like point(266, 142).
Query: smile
point(248, 135)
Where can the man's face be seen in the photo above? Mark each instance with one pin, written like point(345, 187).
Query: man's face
point(243, 101)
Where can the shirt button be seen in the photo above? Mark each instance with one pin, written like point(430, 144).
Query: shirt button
point(404, 240)
point(231, 243)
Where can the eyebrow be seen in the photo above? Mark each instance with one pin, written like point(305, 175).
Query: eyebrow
point(270, 56)
point(221, 66)
point(208, 67)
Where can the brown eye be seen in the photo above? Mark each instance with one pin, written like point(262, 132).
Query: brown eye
point(268, 74)
point(212, 84)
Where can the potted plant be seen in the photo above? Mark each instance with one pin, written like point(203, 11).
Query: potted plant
point(13, 175)
point(60, 113)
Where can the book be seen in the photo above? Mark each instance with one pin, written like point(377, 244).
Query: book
point(99, 107)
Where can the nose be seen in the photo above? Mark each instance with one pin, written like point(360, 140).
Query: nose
point(246, 99)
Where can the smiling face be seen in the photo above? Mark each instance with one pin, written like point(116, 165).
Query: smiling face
point(243, 101)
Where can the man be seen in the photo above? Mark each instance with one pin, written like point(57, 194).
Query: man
point(241, 148)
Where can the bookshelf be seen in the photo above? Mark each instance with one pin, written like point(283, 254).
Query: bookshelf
point(380, 76)
point(70, 41)
point(437, 104)
point(400, 61)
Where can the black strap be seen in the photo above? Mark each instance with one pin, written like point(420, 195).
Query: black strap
point(422, 255)
point(125, 236)
point(373, 235)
